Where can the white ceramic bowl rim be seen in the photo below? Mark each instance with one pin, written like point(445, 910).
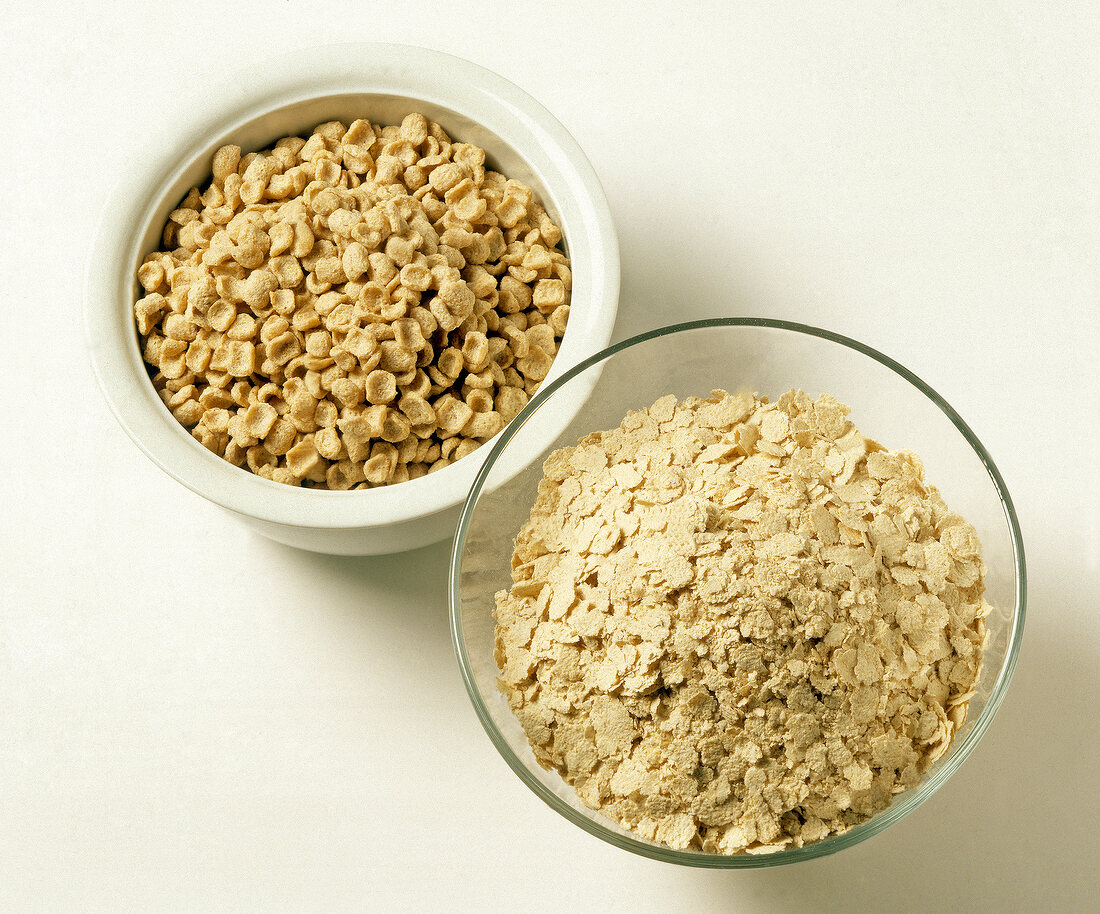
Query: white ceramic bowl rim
point(904, 803)
point(385, 69)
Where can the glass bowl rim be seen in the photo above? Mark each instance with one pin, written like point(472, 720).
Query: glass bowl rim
point(908, 800)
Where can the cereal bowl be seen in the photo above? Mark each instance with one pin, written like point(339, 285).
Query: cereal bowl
point(286, 97)
point(888, 403)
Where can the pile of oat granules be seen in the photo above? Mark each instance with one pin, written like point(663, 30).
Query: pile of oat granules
point(738, 625)
point(355, 309)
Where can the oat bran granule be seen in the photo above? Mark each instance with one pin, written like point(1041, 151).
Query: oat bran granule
point(738, 625)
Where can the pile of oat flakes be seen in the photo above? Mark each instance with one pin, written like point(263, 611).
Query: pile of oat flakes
point(738, 625)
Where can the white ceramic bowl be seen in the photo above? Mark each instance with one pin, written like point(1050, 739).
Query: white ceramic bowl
point(290, 95)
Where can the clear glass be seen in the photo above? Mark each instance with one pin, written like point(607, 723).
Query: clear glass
point(888, 403)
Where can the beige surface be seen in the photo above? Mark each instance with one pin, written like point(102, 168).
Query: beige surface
point(227, 724)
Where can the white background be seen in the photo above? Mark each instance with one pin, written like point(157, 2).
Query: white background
point(195, 719)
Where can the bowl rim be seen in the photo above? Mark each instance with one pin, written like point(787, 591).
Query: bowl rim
point(905, 802)
point(430, 76)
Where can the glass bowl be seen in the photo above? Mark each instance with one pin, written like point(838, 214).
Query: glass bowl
point(888, 403)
